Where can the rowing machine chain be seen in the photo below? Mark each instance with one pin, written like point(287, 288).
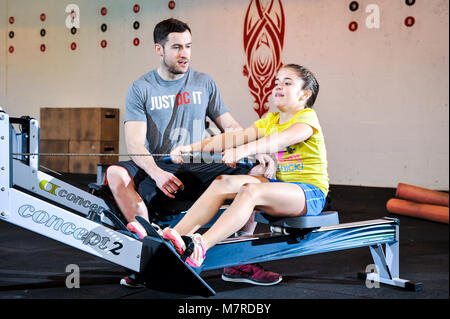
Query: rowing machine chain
point(92, 154)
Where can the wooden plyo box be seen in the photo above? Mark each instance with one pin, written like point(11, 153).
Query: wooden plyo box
point(54, 123)
point(88, 164)
point(94, 124)
point(57, 163)
point(80, 124)
point(86, 130)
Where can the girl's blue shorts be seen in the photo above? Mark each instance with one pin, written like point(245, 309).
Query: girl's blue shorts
point(315, 198)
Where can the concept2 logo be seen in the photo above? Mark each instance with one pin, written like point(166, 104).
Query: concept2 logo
point(67, 228)
point(56, 190)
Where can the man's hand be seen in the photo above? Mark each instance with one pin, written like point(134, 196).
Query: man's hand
point(177, 152)
point(168, 183)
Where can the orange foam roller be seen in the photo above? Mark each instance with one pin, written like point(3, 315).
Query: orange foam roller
point(421, 195)
point(418, 210)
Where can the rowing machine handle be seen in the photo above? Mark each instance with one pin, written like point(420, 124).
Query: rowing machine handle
point(246, 163)
point(217, 158)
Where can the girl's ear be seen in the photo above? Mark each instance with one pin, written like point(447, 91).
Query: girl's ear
point(305, 96)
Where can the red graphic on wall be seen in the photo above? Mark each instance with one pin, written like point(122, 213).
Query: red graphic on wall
point(263, 43)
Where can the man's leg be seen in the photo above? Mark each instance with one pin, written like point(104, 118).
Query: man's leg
point(123, 188)
point(124, 191)
point(132, 189)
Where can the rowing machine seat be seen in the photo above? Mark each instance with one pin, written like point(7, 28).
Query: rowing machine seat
point(302, 222)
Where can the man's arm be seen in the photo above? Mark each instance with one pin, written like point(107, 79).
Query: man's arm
point(227, 123)
point(135, 135)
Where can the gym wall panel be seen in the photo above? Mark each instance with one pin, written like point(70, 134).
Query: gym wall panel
point(383, 100)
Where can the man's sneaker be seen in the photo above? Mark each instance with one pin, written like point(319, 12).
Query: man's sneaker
point(198, 251)
point(130, 282)
point(137, 228)
point(175, 238)
point(252, 274)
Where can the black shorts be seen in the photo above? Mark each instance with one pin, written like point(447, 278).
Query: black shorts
point(196, 177)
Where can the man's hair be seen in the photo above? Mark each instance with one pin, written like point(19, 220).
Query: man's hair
point(162, 30)
point(310, 82)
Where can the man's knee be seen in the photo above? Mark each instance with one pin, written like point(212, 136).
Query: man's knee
point(117, 176)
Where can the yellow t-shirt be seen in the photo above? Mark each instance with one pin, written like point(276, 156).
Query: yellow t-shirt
point(304, 162)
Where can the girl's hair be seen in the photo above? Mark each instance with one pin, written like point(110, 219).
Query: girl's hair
point(310, 82)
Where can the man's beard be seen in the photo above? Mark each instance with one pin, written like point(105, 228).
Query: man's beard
point(173, 68)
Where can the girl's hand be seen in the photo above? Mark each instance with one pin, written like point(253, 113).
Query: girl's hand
point(266, 167)
point(271, 167)
point(231, 156)
point(269, 164)
point(177, 153)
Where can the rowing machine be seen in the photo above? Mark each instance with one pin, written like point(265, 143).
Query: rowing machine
point(55, 209)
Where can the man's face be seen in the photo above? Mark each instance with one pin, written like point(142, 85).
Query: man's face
point(176, 52)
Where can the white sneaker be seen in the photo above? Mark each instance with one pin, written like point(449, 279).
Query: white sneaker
point(172, 235)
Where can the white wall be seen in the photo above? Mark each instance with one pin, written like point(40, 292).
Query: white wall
point(3, 48)
point(383, 102)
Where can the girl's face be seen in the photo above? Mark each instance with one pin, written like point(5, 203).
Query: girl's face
point(288, 93)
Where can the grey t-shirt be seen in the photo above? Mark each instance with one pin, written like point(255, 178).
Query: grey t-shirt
point(175, 111)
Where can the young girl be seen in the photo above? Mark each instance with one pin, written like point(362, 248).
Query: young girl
point(295, 135)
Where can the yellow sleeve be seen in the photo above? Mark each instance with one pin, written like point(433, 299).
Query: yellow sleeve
point(265, 122)
point(308, 116)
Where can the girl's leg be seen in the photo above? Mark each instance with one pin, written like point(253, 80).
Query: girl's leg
point(206, 207)
point(250, 226)
point(277, 199)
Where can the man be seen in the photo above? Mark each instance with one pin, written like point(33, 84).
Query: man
point(165, 108)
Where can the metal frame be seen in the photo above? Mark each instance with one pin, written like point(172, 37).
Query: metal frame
point(271, 246)
point(380, 235)
point(22, 186)
point(39, 202)
point(58, 191)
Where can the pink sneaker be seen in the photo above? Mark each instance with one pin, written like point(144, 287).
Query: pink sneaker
point(130, 283)
point(137, 228)
point(199, 252)
point(252, 274)
point(175, 238)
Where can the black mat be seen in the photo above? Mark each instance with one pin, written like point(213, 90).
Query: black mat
point(32, 266)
